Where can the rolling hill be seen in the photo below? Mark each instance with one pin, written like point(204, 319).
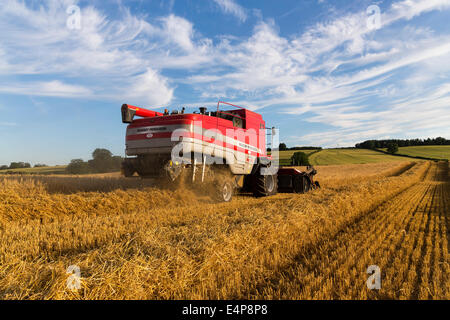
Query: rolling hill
point(436, 152)
point(351, 156)
point(39, 170)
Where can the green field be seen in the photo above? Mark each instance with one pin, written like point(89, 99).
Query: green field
point(351, 156)
point(436, 152)
point(40, 170)
point(285, 156)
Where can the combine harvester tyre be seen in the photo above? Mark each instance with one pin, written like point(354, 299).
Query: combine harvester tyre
point(265, 185)
point(225, 191)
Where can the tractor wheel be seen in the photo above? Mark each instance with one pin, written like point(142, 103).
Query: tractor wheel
point(265, 185)
point(301, 184)
point(224, 191)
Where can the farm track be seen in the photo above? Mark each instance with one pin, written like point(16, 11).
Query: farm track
point(159, 244)
point(411, 227)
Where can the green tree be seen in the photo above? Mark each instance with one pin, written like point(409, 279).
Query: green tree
point(4, 167)
point(103, 161)
point(300, 159)
point(78, 166)
point(392, 147)
point(17, 165)
point(440, 140)
point(282, 147)
point(371, 144)
point(101, 154)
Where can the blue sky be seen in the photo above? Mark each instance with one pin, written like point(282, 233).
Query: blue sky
point(328, 73)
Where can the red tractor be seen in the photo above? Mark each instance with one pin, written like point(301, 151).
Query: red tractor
point(225, 148)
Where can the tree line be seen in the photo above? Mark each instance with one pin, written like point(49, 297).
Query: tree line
point(378, 144)
point(102, 161)
point(21, 165)
point(283, 147)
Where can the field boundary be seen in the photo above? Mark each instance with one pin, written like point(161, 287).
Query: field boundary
point(408, 156)
point(308, 155)
point(402, 170)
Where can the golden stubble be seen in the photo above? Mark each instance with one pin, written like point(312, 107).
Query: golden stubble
point(134, 241)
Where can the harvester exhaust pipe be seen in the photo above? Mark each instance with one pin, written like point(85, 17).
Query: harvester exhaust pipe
point(129, 111)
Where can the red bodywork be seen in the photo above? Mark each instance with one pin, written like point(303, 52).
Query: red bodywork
point(240, 133)
point(249, 138)
point(141, 112)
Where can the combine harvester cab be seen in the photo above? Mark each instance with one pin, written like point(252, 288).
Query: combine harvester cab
point(225, 147)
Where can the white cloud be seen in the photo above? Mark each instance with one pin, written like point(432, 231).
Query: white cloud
point(54, 88)
point(336, 70)
point(179, 31)
point(148, 88)
point(331, 73)
point(409, 9)
point(231, 7)
point(106, 54)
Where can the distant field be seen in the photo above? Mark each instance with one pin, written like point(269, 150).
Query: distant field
point(351, 156)
point(437, 152)
point(40, 170)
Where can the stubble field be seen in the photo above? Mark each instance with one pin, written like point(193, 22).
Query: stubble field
point(131, 240)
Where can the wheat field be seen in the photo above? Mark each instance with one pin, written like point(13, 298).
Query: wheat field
point(131, 240)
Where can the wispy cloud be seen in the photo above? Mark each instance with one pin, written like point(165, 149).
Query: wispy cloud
point(53, 88)
point(341, 73)
point(106, 56)
point(338, 73)
point(231, 7)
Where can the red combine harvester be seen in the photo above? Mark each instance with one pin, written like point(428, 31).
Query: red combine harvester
point(226, 148)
